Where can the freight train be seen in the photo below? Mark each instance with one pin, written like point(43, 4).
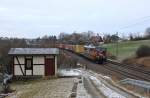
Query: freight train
point(96, 54)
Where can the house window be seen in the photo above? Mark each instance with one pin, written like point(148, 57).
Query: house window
point(29, 64)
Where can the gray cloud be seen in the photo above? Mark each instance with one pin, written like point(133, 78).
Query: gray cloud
point(33, 18)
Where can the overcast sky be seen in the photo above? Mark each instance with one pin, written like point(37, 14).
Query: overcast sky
point(34, 18)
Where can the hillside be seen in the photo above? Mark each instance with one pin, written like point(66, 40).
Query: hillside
point(125, 49)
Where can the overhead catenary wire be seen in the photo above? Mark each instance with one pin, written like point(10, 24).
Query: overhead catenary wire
point(140, 21)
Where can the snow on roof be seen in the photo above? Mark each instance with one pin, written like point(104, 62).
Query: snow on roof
point(33, 51)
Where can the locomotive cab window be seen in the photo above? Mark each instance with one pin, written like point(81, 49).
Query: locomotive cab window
point(28, 64)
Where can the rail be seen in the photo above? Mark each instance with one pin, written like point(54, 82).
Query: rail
point(129, 66)
point(140, 83)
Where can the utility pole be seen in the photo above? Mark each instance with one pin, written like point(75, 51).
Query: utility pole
point(117, 45)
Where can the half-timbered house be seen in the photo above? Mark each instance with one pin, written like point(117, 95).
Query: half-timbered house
point(34, 61)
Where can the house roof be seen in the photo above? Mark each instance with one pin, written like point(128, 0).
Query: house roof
point(33, 51)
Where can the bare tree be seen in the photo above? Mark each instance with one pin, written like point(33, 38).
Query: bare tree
point(131, 36)
point(147, 32)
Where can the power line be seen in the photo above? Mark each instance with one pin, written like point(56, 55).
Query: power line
point(137, 23)
point(129, 26)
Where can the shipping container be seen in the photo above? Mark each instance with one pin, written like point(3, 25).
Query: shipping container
point(79, 48)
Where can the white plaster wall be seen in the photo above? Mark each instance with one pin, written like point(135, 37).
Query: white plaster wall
point(38, 60)
point(21, 60)
point(39, 70)
point(17, 70)
point(28, 72)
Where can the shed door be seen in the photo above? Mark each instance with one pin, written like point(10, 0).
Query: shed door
point(49, 66)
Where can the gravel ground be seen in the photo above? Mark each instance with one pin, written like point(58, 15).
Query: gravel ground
point(53, 88)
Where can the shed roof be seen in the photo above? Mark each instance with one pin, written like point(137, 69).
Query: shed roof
point(33, 51)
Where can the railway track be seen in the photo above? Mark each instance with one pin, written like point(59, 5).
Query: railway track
point(132, 67)
point(127, 71)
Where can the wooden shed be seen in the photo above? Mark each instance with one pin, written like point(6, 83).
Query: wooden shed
point(34, 61)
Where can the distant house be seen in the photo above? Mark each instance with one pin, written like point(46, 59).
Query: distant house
point(34, 61)
point(33, 42)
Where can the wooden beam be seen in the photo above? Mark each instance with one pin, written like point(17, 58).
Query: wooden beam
point(20, 66)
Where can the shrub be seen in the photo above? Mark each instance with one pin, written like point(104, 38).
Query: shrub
point(143, 51)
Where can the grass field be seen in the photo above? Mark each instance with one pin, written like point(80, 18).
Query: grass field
point(125, 49)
